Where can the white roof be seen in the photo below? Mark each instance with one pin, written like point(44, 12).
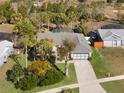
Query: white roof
point(111, 34)
point(3, 46)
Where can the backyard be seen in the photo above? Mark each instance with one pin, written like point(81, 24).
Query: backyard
point(8, 87)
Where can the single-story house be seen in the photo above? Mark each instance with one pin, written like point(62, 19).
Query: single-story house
point(6, 49)
point(109, 38)
point(82, 49)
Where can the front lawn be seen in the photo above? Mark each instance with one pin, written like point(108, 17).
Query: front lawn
point(8, 87)
point(114, 58)
point(114, 86)
point(98, 64)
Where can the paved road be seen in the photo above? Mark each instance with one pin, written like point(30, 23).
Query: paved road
point(54, 90)
point(87, 80)
point(111, 78)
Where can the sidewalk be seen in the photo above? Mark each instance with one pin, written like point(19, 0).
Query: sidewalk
point(111, 78)
point(54, 90)
point(87, 80)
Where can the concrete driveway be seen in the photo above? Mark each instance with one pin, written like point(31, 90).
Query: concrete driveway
point(87, 80)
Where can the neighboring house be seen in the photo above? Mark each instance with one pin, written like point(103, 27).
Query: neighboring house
point(6, 49)
point(109, 38)
point(82, 50)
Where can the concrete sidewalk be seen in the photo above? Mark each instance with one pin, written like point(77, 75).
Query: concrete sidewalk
point(87, 80)
point(111, 78)
point(55, 90)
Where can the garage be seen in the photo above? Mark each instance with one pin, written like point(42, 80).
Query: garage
point(80, 56)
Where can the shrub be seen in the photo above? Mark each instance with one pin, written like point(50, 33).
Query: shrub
point(53, 76)
point(100, 17)
point(121, 21)
point(120, 1)
point(39, 67)
point(16, 73)
point(86, 15)
point(28, 82)
point(2, 19)
point(83, 29)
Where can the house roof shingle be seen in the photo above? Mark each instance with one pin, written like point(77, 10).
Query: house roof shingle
point(81, 43)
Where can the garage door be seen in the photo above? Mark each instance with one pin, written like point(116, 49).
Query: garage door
point(79, 56)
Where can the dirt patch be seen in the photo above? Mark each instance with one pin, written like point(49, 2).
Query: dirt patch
point(6, 28)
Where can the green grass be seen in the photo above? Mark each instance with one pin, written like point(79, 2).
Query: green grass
point(114, 58)
point(99, 66)
point(114, 86)
point(8, 87)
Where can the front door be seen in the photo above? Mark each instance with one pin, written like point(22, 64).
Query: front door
point(115, 43)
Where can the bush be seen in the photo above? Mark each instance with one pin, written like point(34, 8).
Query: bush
point(121, 21)
point(16, 73)
point(2, 19)
point(100, 17)
point(83, 29)
point(86, 15)
point(53, 76)
point(120, 1)
point(28, 82)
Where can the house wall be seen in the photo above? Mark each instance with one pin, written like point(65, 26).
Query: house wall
point(8, 51)
point(115, 43)
point(98, 44)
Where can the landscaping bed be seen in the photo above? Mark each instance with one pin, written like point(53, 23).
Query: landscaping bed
point(8, 87)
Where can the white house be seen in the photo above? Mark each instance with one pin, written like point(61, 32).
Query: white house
point(112, 37)
point(6, 49)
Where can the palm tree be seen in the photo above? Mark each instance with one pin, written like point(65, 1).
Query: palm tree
point(27, 34)
point(65, 52)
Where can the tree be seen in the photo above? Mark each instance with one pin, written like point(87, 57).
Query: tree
point(39, 67)
point(83, 29)
point(43, 49)
point(60, 19)
point(6, 10)
point(72, 13)
point(45, 17)
point(25, 7)
point(23, 10)
point(65, 52)
point(15, 18)
point(2, 19)
point(100, 17)
point(27, 34)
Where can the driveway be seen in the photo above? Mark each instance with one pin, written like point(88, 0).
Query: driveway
point(87, 80)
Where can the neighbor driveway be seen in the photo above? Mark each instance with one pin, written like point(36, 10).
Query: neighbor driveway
point(87, 80)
